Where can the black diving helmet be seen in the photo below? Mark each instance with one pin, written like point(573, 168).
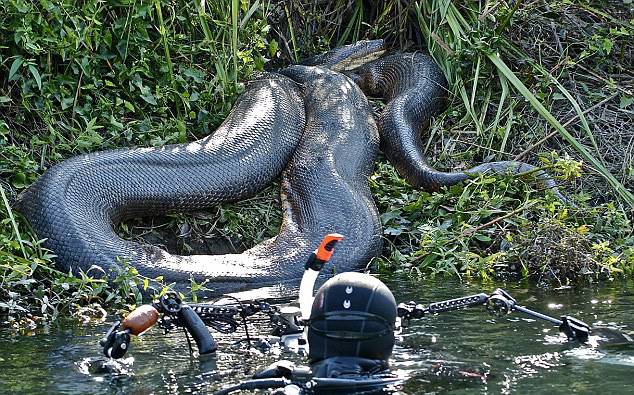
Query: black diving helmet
point(353, 315)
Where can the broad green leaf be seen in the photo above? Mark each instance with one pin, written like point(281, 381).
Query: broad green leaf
point(481, 237)
point(149, 98)
point(19, 180)
point(128, 105)
point(115, 123)
point(389, 216)
point(14, 68)
point(273, 45)
point(196, 75)
point(36, 75)
point(626, 101)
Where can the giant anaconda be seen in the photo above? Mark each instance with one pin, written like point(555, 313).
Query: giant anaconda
point(309, 121)
point(318, 127)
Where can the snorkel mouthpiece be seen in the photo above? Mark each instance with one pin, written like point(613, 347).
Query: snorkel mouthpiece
point(323, 253)
point(314, 264)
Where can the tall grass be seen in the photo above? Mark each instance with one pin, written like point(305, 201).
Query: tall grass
point(465, 30)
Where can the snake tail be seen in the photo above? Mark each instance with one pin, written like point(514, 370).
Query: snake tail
point(415, 90)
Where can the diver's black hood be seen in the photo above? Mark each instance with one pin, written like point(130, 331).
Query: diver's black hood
point(353, 315)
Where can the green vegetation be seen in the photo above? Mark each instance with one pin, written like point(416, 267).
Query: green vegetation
point(548, 82)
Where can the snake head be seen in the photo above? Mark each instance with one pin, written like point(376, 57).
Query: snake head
point(348, 57)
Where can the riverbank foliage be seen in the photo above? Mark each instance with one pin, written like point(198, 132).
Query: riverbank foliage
point(547, 82)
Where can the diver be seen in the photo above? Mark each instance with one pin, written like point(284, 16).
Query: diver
point(350, 339)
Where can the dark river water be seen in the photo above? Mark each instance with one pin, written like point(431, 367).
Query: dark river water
point(460, 352)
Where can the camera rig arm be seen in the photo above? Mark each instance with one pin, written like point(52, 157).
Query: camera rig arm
point(171, 312)
point(498, 303)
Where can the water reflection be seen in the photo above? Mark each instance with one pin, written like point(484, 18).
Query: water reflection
point(459, 352)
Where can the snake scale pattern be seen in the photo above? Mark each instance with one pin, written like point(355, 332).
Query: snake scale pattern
point(309, 123)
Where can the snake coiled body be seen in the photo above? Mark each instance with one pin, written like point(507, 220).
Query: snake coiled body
point(309, 123)
point(76, 204)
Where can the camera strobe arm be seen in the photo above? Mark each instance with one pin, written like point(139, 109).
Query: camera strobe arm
point(498, 303)
point(410, 310)
point(501, 302)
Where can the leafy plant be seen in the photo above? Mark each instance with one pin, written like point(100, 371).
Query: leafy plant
point(80, 77)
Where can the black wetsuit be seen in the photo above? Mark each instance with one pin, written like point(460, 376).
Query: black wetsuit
point(351, 374)
point(349, 367)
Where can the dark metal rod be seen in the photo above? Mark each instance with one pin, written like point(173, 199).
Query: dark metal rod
point(532, 313)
